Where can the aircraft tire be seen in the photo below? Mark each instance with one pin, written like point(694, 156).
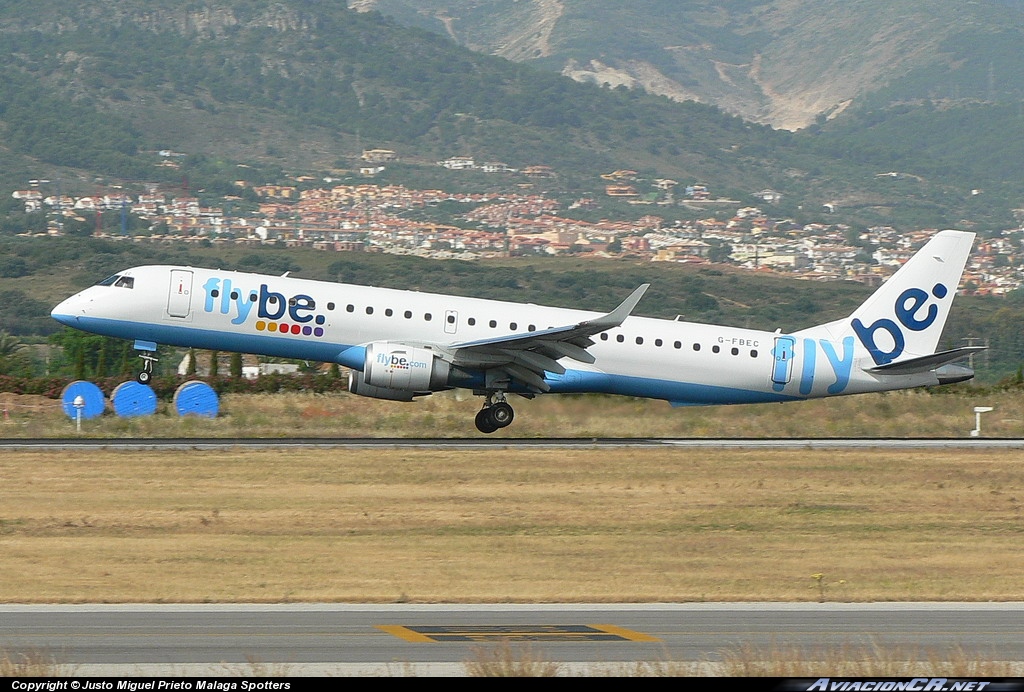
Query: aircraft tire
point(502, 414)
point(485, 423)
point(144, 377)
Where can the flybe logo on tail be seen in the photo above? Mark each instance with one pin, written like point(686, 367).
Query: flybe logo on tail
point(912, 310)
point(274, 312)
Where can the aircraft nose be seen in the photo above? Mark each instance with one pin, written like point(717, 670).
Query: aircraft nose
point(68, 311)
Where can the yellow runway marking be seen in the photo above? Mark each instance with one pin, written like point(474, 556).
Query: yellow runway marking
point(491, 633)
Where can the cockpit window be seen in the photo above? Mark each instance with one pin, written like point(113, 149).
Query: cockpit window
point(118, 280)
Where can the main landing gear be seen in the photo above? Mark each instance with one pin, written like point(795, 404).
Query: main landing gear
point(496, 413)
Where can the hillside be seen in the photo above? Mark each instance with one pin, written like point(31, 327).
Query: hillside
point(89, 93)
point(780, 62)
point(307, 84)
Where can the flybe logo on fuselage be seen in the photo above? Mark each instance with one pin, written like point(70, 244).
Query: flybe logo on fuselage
point(912, 311)
point(274, 312)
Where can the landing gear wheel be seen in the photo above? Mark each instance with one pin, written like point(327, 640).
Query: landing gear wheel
point(502, 414)
point(146, 374)
point(484, 422)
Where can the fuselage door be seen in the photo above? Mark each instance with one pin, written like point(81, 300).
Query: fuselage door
point(451, 321)
point(179, 298)
point(782, 370)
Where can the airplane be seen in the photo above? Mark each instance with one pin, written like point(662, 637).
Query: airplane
point(400, 344)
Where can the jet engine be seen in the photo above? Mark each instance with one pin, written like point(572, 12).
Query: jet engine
point(399, 372)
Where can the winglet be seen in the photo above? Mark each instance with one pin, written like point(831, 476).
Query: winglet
point(618, 315)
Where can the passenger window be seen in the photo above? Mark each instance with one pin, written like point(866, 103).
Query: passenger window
point(471, 321)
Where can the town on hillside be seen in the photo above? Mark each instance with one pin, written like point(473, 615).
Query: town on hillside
point(368, 217)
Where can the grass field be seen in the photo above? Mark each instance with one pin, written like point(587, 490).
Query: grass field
point(508, 526)
point(626, 525)
point(918, 413)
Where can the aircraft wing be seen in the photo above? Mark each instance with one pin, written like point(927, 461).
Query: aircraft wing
point(525, 357)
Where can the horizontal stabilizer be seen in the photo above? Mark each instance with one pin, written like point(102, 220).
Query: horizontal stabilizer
point(921, 364)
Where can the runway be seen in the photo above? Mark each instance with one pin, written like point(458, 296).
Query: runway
point(439, 639)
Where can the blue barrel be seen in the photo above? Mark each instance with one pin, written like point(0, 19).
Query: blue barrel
point(196, 399)
point(132, 399)
point(92, 401)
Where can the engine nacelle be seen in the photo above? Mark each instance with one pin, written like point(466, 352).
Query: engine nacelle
point(399, 372)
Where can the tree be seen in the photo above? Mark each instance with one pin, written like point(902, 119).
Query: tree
point(14, 358)
point(719, 252)
point(236, 365)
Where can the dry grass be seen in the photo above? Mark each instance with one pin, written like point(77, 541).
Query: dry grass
point(745, 661)
point(875, 660)
point(33, 663)
point(894, 414)
point(507, 661)
point(604, 525)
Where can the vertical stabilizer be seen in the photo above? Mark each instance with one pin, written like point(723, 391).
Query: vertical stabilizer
point(904, 318)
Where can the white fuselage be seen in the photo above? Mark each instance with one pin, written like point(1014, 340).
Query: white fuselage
point(682, 362)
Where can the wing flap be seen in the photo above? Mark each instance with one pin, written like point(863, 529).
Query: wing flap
point(527, 356)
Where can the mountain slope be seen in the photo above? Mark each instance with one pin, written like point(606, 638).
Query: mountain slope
point(310, 84)
point(780, 62)
point(297, 85)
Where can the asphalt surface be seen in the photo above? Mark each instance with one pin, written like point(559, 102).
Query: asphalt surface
point(439, 639)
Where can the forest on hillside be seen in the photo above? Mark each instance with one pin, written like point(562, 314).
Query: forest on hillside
point(97, 99)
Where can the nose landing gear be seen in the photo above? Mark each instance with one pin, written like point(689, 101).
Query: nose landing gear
point(496, 413)
point(146, 374)
point(147, 348)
